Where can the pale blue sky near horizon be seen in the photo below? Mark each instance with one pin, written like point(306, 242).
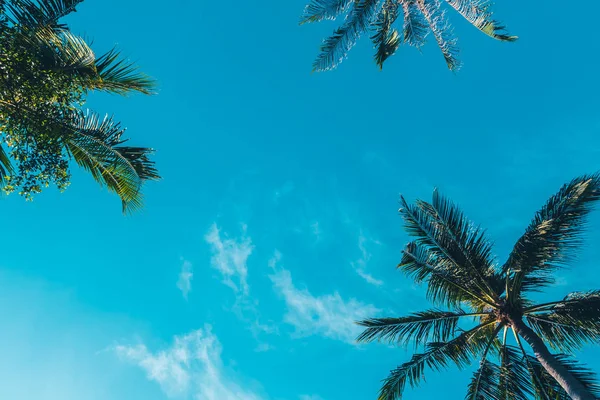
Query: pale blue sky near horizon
point(276, 225)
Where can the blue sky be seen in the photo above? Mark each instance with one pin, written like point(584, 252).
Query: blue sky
point(276, 224)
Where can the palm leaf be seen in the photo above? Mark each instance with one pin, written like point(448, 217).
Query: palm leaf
point(514, 383)
point(442, 228)
point(97, 145)
point(484, 384)
point(436, 19)
point(553, 235)
point(445, 285)
point(476, 12)
point(421, 327)
point(6, 168)
point(63, 50)
point(35, 14)
point(335, 48)
point(386, 39)
point(438, 355)
point(117, 75)
point(415, 28)
point(319, 10)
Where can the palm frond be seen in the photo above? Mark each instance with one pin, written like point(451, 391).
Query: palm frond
point(436, 19)
point(514, 378)
point(35, 14)
point(459, 351)
point(453, 240)
point(97, 145)
point(478, 14)
point(569, 324)
point(420, 327)
point(319, 10)
point(6, 168)
point(551, 387)
point(386, 39)
point(553, 235)
point(335, 48)
point(445, 285)
point(415, 28)
point(484, 384)
point(120, 76)
point(64, 51)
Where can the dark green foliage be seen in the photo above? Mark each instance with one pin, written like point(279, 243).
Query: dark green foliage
point(454, 258)
point(45, 73)
point(419, 18)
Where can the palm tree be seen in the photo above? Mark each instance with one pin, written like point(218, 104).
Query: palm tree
point(454, 258)
point(46, 72)
point(379, 16)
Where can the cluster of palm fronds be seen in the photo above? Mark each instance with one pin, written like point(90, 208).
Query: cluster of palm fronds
point(45, 73)
point(418, 19)
point(453, 257)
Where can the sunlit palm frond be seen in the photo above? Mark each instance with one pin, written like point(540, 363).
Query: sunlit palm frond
point(459, 351)
point(96, 144)
point(38, 13)
point(445, 285)
point(436, 19)
point(386, 39)
point(514, 381)
point(478, 14)
point(319, 10)
point(117, 75)
point(421, 327)
point(415, 28)
point(453, 240)
point(550, 389)
point(484, 384)
point(62, 50)
point(6, 168)
point(553, 235)
point(335, 48)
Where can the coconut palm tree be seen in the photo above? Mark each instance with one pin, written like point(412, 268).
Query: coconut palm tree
point(419, 17)
point(46, 72)
point(503, 328)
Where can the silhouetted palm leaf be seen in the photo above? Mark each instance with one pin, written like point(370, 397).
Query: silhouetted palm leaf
point(39, 13)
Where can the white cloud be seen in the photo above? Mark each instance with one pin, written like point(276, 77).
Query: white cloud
point(192, 365)
point(327, 315)
point(360, 265)
point(310, 397)
point(185, 278)
point(230, 257)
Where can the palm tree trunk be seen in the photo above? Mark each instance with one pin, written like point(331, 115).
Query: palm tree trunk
point(568, 382)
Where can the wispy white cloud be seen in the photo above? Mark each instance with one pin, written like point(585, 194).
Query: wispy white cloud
point(230, 257)
point(184, 283)
point(310, 397)
point(191, 366)
point(328, 315)
point(360, 265)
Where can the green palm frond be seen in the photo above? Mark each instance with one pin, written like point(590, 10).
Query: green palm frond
point(445, 285)
point(386, 39)
point(335, 48)
point(117, 75)
point(421, 327)
point(63, 50)
point(552, 236)
point(6, 168)
point(550, 389)
point(570, 324)
point(514, 381)
point(415, 29)
point(457, 245)
point(440, 28)
point(319, 10)
point(484, 384)
point(97, 146)
point(478, 14)
point(459, 351)
point(35, 14)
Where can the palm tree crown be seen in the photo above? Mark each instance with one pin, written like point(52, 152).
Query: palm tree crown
point(45, 73)
point(419, 18)
point(454, 258)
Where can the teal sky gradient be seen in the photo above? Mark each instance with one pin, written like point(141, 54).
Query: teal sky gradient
point(279, 201)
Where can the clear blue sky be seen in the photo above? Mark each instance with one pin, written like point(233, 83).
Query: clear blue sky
point(280, 196)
